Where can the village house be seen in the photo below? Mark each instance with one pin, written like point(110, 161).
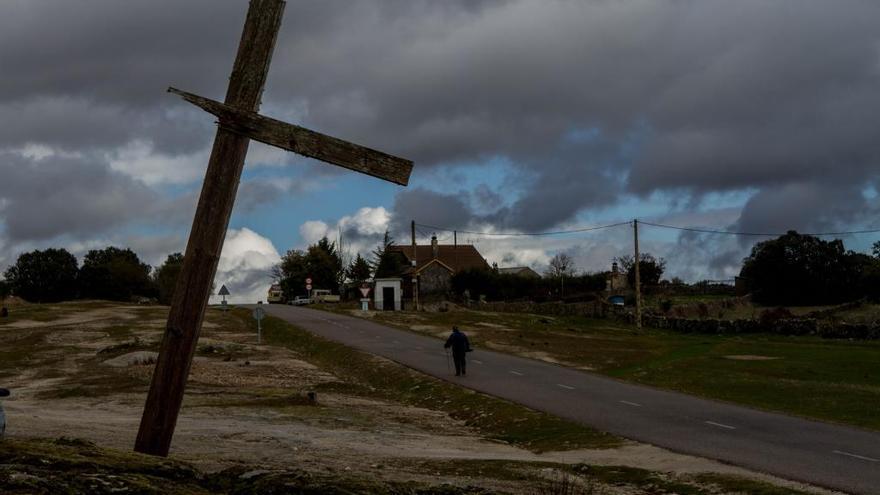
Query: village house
point(616, 279)
point(427, 269)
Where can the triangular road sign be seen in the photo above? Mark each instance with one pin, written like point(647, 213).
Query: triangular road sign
point(223, 291)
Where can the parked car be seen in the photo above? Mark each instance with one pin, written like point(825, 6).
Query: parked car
point(3, 393)
point(301, 301)
point(324, 296)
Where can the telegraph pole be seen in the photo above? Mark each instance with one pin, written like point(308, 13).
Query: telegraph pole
point(455, 247)
point(415, 280)
point(638, 281)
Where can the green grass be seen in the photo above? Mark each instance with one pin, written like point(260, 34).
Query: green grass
point(495, 418)
point(832, 380)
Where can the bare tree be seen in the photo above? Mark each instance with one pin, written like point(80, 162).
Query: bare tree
point(561, 266)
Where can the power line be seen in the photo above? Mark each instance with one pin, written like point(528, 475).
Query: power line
point(558, 232)
point(652, 224)
point(756, 234)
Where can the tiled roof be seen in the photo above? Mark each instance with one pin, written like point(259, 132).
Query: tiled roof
point(461, 257)
point(519, 270)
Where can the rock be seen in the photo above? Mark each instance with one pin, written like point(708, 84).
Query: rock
point(137, 358)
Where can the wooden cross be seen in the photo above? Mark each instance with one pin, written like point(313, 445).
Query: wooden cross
point(238, 122)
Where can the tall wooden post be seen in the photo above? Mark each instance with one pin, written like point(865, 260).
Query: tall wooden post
point(455, 247)
point(208, 232)
point(415, 280)
point(638, 279)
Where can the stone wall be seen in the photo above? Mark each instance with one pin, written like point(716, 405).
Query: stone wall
point(592, 309)
point(786, 326)
point(434, 279)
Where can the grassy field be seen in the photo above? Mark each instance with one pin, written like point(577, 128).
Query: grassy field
point(833, 380)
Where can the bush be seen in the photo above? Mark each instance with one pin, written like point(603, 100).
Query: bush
point(114, 274)
point(508, 287)
point(802, 270)
point(44, 276)
point(770, 317)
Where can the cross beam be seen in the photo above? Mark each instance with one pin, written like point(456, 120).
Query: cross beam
point(304, 141)
point(239, 122)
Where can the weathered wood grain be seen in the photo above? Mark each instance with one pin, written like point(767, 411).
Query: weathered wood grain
point(304, 141)
point(208, 232)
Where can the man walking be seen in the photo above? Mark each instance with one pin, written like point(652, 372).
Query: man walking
point(460, 345)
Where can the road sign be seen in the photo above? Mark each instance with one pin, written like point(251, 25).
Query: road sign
point(309, 287)
point(259, 313)
point(223, 291)
point(365, 291)
point(308, 281)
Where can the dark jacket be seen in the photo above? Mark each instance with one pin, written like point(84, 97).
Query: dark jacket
point(459, 343)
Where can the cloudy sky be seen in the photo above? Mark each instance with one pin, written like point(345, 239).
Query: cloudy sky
point(521, 116)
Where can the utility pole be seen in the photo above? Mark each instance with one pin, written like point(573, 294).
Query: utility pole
point(638, 280)
point(455, 247)
point(415, 280)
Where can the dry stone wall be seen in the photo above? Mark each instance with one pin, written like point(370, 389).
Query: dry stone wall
point(785, 326)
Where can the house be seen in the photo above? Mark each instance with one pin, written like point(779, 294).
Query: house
point(429, 270)
point(520, 271)
point(616, 279)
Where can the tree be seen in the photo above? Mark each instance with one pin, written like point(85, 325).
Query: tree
point(650, 269)
point(386, 263)
point(5, 289)
point(798, 270)
point(44, 276)
point(562, 265)
point(114, 274)
point(875, 249)
point(325, 265)
point(320, 262)
point(292, 273)
point(359, 270)
point(165, 277)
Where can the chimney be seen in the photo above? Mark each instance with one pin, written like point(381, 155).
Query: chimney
point(614, 268)
point(435, 249)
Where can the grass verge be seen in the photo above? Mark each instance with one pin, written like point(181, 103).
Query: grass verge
point(494, 418)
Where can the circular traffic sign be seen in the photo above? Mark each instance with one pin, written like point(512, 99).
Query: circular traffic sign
point(308, 286)
point(259, 313)
point(308, 281)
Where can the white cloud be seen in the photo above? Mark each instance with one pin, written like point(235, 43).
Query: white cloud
point(367, 221)
point(140, 160)
point(313, 230)
point(245, 266)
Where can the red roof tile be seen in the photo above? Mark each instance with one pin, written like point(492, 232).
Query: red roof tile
point(461, 257)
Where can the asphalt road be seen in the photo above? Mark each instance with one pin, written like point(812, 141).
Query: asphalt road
point(832, 456)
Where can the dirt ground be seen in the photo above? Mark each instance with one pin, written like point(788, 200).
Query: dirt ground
point(83, 372)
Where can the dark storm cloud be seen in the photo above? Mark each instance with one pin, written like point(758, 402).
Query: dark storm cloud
point(706, 96)
point(45, 198)
point(806, 207)
point(591, 100)
point(429, 208)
